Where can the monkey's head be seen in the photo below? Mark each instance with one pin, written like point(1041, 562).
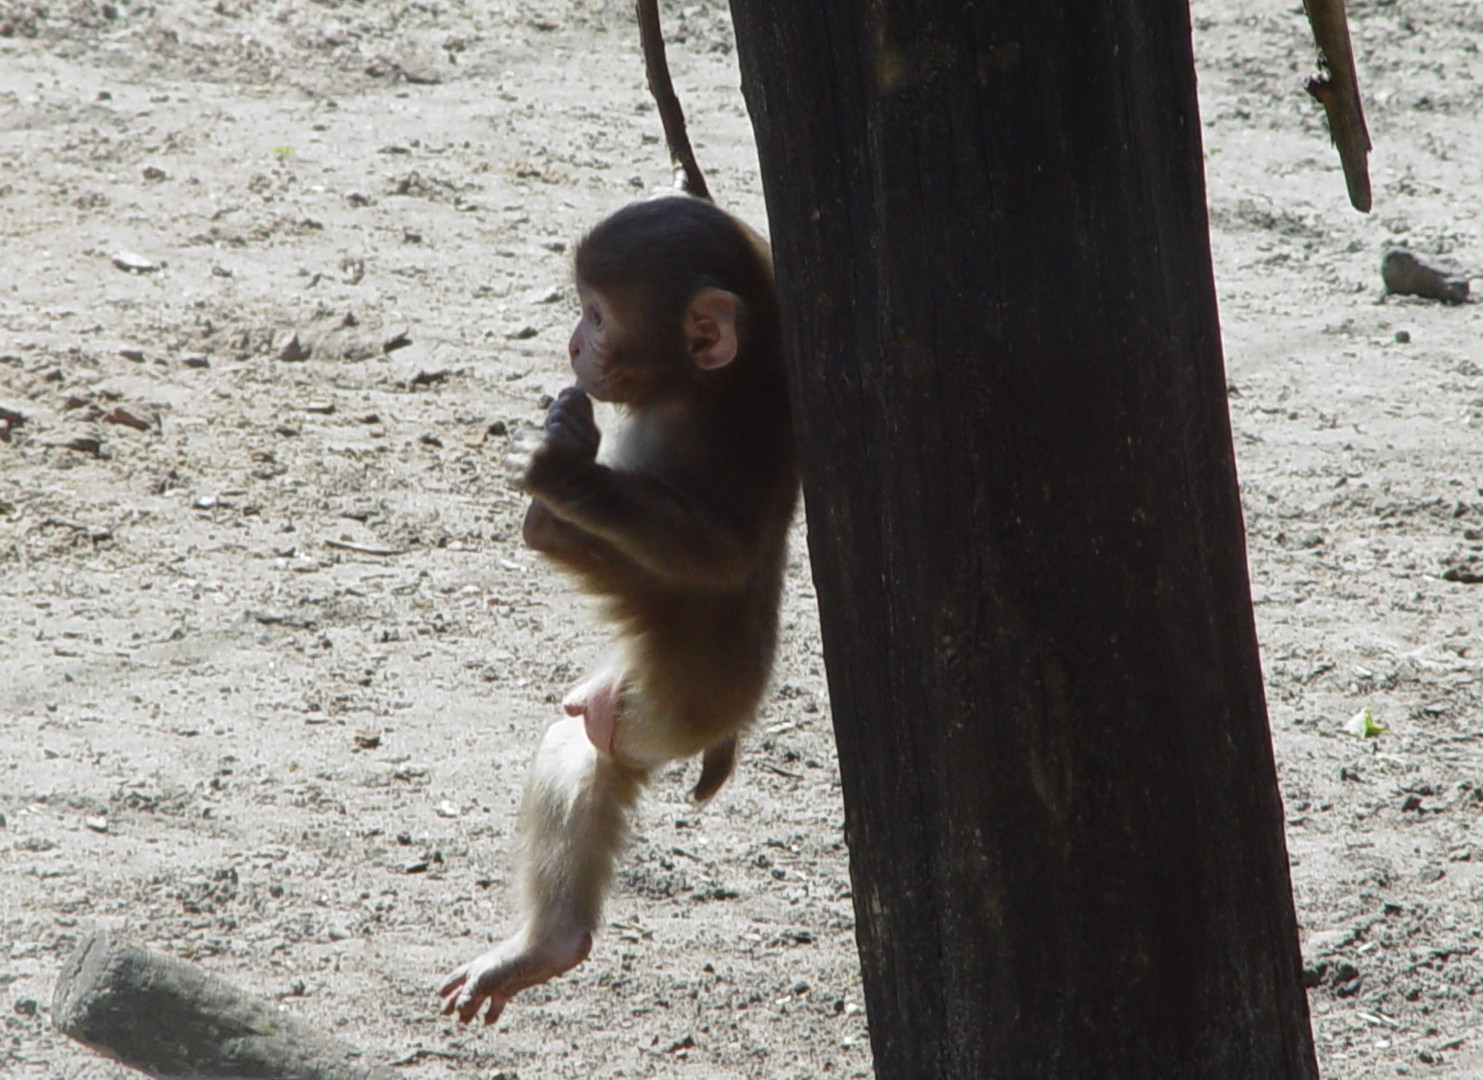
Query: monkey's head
point(676, 296)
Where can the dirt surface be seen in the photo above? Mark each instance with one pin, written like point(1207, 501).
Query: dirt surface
point(276, 282)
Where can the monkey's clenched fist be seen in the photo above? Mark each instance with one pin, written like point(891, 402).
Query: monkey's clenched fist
point(540, 458)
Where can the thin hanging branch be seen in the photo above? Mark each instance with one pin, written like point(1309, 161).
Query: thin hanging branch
point(1336, 87)
point(687, 172)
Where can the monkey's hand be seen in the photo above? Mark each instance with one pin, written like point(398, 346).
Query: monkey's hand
point(540, 459)
point(571, 431)
point(523, 447)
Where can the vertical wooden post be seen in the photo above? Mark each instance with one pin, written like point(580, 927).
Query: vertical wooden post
point(1062, 810)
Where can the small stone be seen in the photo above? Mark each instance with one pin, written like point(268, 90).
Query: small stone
point(523, 333)
point(128, 418)
point(134, 263)
point(97, 824)
point(368, 740)
point(82, 442)
point(195, 360)
point(1403, 337)
point(418, 866)
point(427, 378)
point(290, 348)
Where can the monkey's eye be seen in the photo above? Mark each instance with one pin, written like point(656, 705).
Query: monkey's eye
point(595, 314)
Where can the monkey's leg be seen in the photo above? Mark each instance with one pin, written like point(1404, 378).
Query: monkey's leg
point(573, 821)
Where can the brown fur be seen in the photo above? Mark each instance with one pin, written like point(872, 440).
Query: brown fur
point(680, 531)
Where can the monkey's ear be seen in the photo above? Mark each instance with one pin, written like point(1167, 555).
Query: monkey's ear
point(710, 328)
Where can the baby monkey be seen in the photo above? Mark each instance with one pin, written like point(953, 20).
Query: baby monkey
point(679, 529)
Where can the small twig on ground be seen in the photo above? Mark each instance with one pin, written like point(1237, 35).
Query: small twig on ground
point(770, 767)
point(362, 549)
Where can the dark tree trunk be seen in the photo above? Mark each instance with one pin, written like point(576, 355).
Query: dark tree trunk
point(1063, 816)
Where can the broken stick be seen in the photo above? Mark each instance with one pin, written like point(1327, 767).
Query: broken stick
point(172, 1020)
point(1336, 87)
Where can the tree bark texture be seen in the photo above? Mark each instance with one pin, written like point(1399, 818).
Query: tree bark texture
point(170, 1019)
point(1063, 816)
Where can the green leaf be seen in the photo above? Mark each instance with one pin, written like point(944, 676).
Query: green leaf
point(1363, 725)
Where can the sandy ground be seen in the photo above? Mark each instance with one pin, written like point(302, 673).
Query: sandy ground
point(276, 282)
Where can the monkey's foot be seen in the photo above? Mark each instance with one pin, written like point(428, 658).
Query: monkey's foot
point(513, 965)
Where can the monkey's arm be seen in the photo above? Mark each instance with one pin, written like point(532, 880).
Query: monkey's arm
point(653, 525)
point(604, 522)
point(572, 547)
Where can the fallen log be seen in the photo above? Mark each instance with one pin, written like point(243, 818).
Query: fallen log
point(171, 1019)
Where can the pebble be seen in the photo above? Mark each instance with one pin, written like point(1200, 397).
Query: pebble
point(128, 418)
point(82, 442)
point(134, 263)
point(288, 347)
